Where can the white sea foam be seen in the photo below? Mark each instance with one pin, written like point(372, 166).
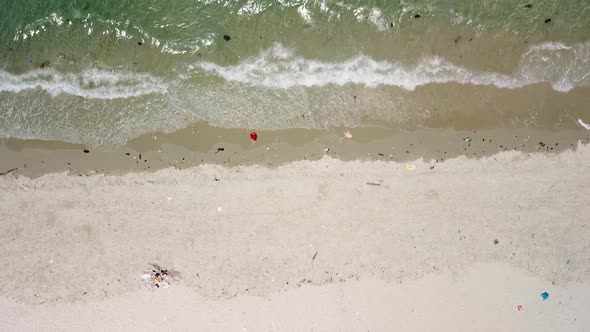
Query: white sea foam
point(305, 14)
point(548, 46)
point(91, 83)
point(563, 67)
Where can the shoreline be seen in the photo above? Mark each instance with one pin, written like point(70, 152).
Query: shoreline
point(201, 144)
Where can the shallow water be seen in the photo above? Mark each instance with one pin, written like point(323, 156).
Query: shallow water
point(103, 72)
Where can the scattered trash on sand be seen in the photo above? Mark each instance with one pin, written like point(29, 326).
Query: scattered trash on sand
point(314, 256)
point(373, 184)
point(544, 296)
point(159, 277)
point(347, 134)
point(220, 150)
point(496, 241)
point(583, 124)
point(254, 136)
point(519, 308)
point(411, 167)
point(467, 139)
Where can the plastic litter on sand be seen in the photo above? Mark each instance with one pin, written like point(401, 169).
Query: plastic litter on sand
point(347, 134)
point(583, 124)
point(159, 277)
point(544, 296)
point(254, 136)
point(411, 167)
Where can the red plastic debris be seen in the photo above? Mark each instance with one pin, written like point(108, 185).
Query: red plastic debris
point(254, 136)
point(519, 308)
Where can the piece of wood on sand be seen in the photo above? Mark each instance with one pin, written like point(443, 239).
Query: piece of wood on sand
point(8, 172)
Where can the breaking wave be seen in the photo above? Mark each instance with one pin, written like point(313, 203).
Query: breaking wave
point(561, 66)
point(91, 83)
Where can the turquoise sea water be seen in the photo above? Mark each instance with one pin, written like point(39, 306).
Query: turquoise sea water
point(102, 72)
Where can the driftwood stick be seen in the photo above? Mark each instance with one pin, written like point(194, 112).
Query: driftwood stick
point(7, 172)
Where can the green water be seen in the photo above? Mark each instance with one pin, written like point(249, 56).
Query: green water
point(110, 30)
point(102, 72)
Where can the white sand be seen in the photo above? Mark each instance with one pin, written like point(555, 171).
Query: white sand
point(415, 253)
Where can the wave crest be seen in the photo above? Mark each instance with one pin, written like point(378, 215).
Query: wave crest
point(91, 83)
point(563, 67)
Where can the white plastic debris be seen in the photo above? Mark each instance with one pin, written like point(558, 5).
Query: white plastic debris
point(411, 167)
point(159, 277)
point(583, 124)
point(347, 134)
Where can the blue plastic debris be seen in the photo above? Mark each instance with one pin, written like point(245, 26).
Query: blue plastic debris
point(544, 296)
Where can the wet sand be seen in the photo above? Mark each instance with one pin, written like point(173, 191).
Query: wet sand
point(204, 144)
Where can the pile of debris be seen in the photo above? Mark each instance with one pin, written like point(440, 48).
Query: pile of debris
point(159, 277)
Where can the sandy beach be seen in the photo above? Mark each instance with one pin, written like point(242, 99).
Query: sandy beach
point(295, 165)
point(459, 244)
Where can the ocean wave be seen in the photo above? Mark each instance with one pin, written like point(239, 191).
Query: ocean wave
point(91, 83)
point(561, 66)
